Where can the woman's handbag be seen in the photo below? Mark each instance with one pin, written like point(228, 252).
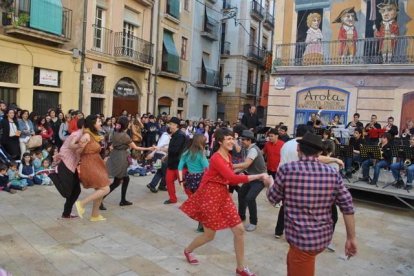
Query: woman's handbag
point(35, 141)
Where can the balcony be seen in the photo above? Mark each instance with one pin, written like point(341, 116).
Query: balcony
point(133, 50)
point(103, 40)
point(26, 22)
point(148, 3)
point(360, 55)
point(210, 28)
point(227, 5)
point(269, 21)
point(251, 89)
point(208, 79)
point(256, 54)
point(225, 48)
point(257, 11)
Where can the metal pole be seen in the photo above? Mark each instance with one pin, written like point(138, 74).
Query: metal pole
point(82, 65)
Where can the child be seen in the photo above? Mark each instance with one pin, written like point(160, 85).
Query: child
point(27, 171)
point(37, 157)
point(134, 168)
point(5, 184)
point(43, 173)
point(47, 151)
point(14, 177)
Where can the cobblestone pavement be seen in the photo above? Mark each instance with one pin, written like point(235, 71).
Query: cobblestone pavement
point(148, 238)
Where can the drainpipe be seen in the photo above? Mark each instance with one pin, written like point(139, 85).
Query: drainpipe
point(149, 71)
point(82, 65)
point(156, 59)
point(257, 66)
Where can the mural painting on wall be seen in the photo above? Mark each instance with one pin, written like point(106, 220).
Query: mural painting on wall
point(313, 51)
point(388, 29)
point(347, 34)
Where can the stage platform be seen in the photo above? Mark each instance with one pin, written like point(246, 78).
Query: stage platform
point(383, 187)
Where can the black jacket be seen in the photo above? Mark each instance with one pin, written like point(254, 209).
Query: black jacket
point(250, 120)
point(175, 148)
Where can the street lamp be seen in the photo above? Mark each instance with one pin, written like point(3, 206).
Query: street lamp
point(227, 80)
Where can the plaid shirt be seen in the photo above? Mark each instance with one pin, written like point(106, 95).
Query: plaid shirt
point(308, 189)
point(70, 156)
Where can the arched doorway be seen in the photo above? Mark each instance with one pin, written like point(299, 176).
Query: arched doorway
point(407, 111)
point(126, 94)
point(164, 105)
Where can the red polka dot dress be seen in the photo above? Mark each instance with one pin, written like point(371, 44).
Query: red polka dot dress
point(211, 204)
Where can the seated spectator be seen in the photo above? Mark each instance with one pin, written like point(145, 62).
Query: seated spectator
point(134, 168)
point(43, 172)
point(14, 177)
point(27, 171)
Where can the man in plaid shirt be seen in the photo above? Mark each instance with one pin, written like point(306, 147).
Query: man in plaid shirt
point(308, 189)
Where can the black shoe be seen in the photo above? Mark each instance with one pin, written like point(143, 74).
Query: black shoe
point(125, 203)
point(102, 207)
point(408, 187)
point(152, 189)
point(364, 179)
point(162, 188)
point(399, 184)
point(348, 174)
point(169, 202)
point(373, 183)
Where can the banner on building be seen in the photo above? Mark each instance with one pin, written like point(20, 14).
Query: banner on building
point(322, 98)
point(49, 77)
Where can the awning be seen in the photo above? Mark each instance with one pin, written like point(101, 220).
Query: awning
point(169, 44)
point(210, 19)
point(311, 4)
point(210, 73)
point(173, 59)
point(131, 17)
point(46, 15)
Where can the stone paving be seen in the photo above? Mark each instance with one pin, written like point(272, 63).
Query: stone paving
point(148, 238)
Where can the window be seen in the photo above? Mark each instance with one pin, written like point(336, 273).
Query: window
point(98, 85)
point(128, 39)
point(252, 36)
point(184, 48)
point(99, 24)
point(180, 102)
point(170, 57)
point(8, 72)
point(97, 105)
point(187, 5)
point(205, 111)
point(264, 42)
point(44, 100)
point(173, 8)
point(8, 95)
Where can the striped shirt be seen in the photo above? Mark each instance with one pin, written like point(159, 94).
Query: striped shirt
point(308, 189)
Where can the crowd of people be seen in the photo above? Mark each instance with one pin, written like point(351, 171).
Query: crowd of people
point(209, 160)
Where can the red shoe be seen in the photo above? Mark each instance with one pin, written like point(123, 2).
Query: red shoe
point(191, 258)
point(244, 272)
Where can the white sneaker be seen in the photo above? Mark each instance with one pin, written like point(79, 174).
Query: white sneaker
point(330, 247)
point(250, 227)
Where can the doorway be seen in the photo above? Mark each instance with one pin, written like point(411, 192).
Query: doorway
point(407, 111)
point(125, 93)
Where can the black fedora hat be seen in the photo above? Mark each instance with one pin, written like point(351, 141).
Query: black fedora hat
point(312, 140)
point(175, 120)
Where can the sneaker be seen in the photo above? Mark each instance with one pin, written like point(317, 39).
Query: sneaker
point(245, 272)
point(330, 247)
point(278, 236)
point(250, 227)
point(98, 218)
point(278, 205)
point(162, 188)
point(191, 258)
point(169, 202)
point(152, 189)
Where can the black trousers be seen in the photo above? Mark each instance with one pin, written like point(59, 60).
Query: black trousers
point(280, 224)
point(64, 174)
point(247, 198)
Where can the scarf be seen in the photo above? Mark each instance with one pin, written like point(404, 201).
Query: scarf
point(98, 138)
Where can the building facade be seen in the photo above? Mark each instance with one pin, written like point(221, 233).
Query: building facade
point(342, 57)
point(246, 35)
point(37, 71)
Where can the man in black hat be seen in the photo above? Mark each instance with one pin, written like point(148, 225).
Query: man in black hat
point(175, 148)
point(253, 164)
point(308, 189)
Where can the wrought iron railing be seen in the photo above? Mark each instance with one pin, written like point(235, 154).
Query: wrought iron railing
point(257, 9)
point(251, 89)
point(135, 48)
point(269, 20)
point(397, 50)
point(225, 48)
point(209, 77)
point(103, 40)
point(256, 53)
point(19, 15)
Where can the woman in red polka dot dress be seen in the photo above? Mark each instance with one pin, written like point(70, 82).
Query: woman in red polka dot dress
point(212, 205)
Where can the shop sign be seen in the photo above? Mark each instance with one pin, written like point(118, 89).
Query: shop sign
point(125, 88)
point(48, 77)
point(322, 98)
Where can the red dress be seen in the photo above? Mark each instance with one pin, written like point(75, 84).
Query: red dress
point(211, 204)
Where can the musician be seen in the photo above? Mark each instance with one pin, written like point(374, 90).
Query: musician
point(390, 127)
point(372, 129)
point(408, 131)
point(312, 120)
point(398, 166)
point(336, 121)
point(355, 142)
point(385, 161)
point(355, 123)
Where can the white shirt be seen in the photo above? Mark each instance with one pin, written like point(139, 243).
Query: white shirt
point(164, 141)
point(289, 152)
point(13, 129)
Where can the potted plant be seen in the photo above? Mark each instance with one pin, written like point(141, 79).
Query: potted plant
point(22, 20)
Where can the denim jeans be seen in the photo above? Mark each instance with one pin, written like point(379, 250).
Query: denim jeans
point(377, 168)
point(350, 160)
point(396, 169)
point(140, 171)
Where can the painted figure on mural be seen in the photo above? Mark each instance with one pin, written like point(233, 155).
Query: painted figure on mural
point(389, 28)
point(347, 34)
point(313, 54)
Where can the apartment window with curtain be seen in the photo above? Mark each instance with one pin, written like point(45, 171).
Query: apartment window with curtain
point(98, 33)
point(128, 39)
point(184, 42)
point(173, 8)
